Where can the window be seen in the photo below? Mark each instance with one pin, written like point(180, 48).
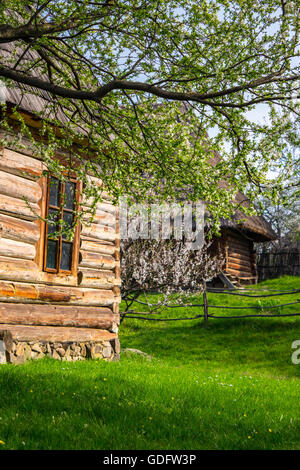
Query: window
point(61, 253)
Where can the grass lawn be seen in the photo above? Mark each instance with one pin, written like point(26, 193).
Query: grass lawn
point(231, 385)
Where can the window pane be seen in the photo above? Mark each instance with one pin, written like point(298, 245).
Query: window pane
point(54, 192)
point(66, 256)
point(69, 195)
point(51, 254)
point(52, 221)
point(68, 221)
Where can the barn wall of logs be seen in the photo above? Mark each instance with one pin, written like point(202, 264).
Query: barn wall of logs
point(240, 257)
point(32, 298)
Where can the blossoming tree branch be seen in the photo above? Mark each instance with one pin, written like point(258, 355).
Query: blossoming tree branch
point(151, 90)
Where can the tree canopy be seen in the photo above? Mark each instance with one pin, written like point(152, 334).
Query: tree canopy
point(152, 89)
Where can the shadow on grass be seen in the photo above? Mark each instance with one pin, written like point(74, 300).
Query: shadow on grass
point(137, 405)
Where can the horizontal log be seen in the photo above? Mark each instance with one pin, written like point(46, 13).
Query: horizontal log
point(54, 315)
point(242, 256)
point(93, 278)
point(18, 187)
point(239, 267)
point(237, 273)
point(8, 265)
point(103, 206)
point(21, 165)
point(98, 183)
point(90, 296)
point(15, 269)
point(25, 292)
point(96, 246)
point(19, 229)
point(105, 199)
point(240, 262)
point(57, 334)
point(92, 239)
point(238, 240)
point(15, 249)
point(106, 207)
point(19, 208)
point(15, 291)
point(239, 243)
point(95, 260)
point(239, 249)
point(238, 236)
point(99, 232)
point(100, 217)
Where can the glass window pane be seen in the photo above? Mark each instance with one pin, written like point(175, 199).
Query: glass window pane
point(69, 195)
point(68, 221)
point(66, 256)
point(54, 192)
point(51, 254)
point(52, 221)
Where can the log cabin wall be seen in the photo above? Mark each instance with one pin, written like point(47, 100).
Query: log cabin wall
point(240, 258)
point(38, 306)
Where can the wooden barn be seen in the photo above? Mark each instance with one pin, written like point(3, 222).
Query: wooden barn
point(237, 245)
point(57, 297)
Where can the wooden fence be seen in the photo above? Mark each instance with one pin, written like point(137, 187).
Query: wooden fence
point(272, 265)
point(206, 307)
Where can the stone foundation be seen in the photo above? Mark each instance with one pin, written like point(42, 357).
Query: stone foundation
point(17, 352)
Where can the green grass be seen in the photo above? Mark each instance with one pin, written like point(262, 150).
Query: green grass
point(230, 385)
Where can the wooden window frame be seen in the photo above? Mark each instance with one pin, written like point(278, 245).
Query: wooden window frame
point(76, 239)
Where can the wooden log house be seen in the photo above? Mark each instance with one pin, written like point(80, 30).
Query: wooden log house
point(237, 245)
point(57, 297)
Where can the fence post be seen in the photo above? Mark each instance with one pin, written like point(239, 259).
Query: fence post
point(205, 305)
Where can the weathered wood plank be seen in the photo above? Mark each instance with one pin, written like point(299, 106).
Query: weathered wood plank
point(18, 207)
point(57, 333)
point(18, 187)
point(19, 229)
point(21, 165)
point(54, 315)
point(15, 249)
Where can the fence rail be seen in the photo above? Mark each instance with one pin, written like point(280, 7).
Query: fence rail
point(206, 306)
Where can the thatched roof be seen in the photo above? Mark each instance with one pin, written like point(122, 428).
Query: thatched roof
point(254, 226)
